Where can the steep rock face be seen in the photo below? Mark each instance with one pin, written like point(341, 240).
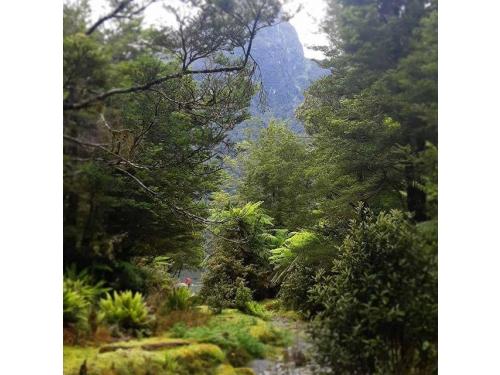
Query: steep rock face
point(285, 74)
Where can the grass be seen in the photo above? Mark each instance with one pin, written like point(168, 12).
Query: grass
point(274, 308)
point(191, 318)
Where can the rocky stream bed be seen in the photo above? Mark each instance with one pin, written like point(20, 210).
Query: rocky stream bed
point(296, 358)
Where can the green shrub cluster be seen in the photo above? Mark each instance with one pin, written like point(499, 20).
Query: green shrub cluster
point(379, 300)
point(179, 299)
point(294, 289)
point(75, 308)
point(80, 295)
point(234, 339)
point(239, 252)
point(126, 312)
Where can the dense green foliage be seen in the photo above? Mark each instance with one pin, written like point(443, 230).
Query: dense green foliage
point(273, 169)
point(239, 255)
point(339, 223)
point(378, 301)
point(145, 133)
point(372, 118)
point(80, 296)
point(369, 286)
point(125, 312)
point(179, 298)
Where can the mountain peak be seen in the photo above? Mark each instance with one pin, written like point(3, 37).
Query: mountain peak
point(285, 74)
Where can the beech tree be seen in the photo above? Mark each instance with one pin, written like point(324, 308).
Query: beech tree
point(146, 116)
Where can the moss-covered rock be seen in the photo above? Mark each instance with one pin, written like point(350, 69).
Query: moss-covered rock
point(244, 371)
point(194, 359)
point(219, 347)
point(132, 359)
point(226, 369)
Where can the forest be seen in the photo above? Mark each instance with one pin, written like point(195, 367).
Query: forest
point(317, 249)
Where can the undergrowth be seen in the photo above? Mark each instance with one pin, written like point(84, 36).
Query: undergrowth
point(242, 337)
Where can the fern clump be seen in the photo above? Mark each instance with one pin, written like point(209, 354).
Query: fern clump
point(80, 296)
point(75, 308)
point(239, 252)
point(179, 299)
point(126, 312)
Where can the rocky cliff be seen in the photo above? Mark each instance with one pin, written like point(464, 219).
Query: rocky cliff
point(285, 74)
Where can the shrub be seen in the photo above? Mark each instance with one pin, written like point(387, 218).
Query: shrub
point(125, 311)
point(80, 296)
point(296, 260)
point(305, 247)
point(75, 308)
point(239, 250)
point(294, 289)
point(243, 295)
point(179, 298)
point(158, 282)
point(379, 301)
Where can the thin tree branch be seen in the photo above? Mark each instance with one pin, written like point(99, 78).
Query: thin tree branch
point(117, 14)
point(113, 14)
point(148, 85)
point(100, 146)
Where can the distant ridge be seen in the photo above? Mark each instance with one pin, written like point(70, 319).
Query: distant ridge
point(286, 73)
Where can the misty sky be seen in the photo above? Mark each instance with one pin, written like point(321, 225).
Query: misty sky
point(306, 22)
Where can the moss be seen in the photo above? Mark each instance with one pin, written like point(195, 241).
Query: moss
point(130, 358)
point(208, 351)
point(225, 370)
point(227, 337)
point(267, 334)
point(194, 359)
point(230, 370)
point(128, 362)
point(242, 337)
point(73, 357)
point(275, 309)
point(262, 332)
point(151, 341)
point(244, 371)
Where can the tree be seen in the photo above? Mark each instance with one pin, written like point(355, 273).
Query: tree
point(296, 260)
point(274, 171)
point(239, 255)
point(146, 116)
point(381, 97)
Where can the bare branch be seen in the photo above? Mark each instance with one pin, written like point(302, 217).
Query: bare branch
point(121, 6)
point(119, 13)
point(148, 85)
point(101, 146)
